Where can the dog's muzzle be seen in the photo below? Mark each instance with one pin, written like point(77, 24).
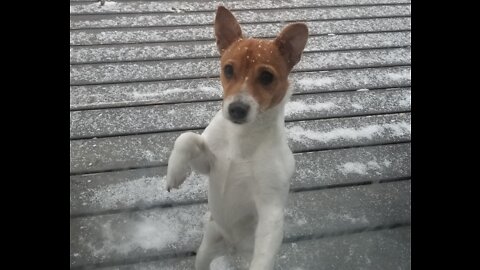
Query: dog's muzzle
point(238, 112)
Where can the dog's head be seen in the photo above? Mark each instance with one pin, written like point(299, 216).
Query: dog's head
point(254, 72)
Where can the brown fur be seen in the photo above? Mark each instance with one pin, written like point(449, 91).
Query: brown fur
point(249, 57)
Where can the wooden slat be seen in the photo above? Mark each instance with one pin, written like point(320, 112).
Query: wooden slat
point(330, 133)
point(247, 16)
point(153, 149)
point(157, 118)
point(186, 6)
point(198, 49)
point(140, 234)
point(266, 30)
point(144, 188)
point(387, 249)
point(95, 96)
point(199, 68)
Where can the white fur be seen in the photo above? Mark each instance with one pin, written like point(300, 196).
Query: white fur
point(249, 167)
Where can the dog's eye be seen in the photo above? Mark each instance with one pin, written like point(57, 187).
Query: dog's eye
point(228, 71)
point(266, 78)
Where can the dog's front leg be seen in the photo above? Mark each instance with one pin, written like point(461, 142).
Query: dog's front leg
point(189, 151)
point(268, 235)
point(212, 246)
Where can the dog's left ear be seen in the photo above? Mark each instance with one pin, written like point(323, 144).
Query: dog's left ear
point(291, 42)
point(227, 29)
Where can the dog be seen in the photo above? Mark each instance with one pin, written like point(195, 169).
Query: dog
point(244, 149)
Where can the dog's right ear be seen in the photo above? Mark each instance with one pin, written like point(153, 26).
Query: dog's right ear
point(227, 29)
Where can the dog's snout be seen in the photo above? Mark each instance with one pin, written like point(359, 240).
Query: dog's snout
point(238, 111)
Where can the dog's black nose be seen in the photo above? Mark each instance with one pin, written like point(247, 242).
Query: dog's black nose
point(238, 111)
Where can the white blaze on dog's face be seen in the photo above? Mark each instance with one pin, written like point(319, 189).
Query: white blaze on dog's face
point(254, 73)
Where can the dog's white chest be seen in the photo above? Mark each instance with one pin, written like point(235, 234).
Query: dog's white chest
point(231, 196)
point(245, 167)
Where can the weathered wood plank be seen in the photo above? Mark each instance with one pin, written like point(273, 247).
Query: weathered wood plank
point(115, 95)
point(199, 49)
point(330, 133)
point(245, 16)
point(123, 152)
point(144, 188)
point(265, 30)
point(387, 249)
point(157, 118)
point(199, 68)
point(123, 236)
point(186, 6)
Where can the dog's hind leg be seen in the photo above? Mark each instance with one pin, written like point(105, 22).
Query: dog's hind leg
point(189, 152)
point(212, 246)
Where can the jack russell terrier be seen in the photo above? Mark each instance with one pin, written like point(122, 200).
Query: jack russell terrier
point(244, 149)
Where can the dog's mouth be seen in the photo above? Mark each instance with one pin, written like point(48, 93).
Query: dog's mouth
point(238, 122)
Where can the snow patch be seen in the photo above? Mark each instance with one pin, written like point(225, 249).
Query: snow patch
point(400, 76)
point(109, 3)
point(353, 167)
point(175, 91)
point(357, 106)
point(316, 82)
point(346, 217)
point(183, 90)
point(363, 168)
point(387, 163)
point(145, 191)
point(299, 134)
point(145, 233)
point(406, 101)
point(294, 107)
point(358, 167)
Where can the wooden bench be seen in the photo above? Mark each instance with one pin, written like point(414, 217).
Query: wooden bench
point(144, 72)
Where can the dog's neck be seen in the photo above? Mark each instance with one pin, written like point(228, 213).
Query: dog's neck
point(268, 126)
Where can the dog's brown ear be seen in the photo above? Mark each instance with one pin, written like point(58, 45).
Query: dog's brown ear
point(227, 29)
point(291, 42)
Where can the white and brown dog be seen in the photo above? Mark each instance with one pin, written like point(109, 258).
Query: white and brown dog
point(244, 149)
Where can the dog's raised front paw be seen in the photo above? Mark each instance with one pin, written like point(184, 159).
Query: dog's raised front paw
point(178, 169)
point(176, 176)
